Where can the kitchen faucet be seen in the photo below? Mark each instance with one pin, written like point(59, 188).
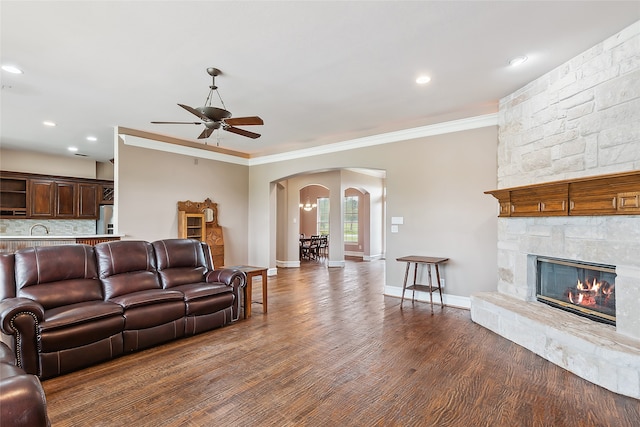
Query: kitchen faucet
point(38, 225)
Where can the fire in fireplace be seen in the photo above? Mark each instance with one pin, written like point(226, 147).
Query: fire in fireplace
point(582, 288)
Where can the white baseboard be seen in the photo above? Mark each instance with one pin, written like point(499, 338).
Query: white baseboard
point(287, 264)
point(336, 264)
point(450, 300)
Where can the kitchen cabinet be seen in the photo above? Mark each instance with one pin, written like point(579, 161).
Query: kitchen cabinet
point(614, 194)
point(88, 200)
point(107, 194)
point(32, 196)
point(13, 197)
point(65, 199)
point(41, 198)
point(52, 199)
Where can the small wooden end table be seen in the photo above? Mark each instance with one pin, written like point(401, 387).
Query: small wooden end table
point(252, 272)
point(428, 261)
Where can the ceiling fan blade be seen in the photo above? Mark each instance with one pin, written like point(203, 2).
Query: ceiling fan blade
point(177, 123)
point(242, 132)
point(206, 133)
point(244, 121)
point(195, 112)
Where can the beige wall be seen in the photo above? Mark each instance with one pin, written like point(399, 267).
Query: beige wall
point(436, 183)
point(47, 164)
point(150, 183)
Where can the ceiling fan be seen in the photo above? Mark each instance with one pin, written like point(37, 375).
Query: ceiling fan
point(215, 118)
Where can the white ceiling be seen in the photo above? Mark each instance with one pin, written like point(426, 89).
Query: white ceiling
point(316, 72)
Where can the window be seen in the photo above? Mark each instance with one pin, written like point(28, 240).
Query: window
point(323, 215)
point(351, 219)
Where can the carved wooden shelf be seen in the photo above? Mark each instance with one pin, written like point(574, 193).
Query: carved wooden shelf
point(212, 230)
point(615, 194)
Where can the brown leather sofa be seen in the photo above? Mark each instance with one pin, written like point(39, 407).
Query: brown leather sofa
point(63, 308)
point(22, 400)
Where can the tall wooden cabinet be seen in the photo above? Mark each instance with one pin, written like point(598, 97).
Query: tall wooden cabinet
point(190, 215)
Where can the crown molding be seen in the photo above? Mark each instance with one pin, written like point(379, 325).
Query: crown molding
point(160, 142)
point(383, 138)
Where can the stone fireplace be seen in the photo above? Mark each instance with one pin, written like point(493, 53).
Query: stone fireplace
point(580, 120)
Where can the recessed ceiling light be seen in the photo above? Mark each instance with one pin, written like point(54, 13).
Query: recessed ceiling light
point(48, 123)
point(73, 149)
point(92, 138)
point(12, 69)
point(519, 60)
point(422, 80)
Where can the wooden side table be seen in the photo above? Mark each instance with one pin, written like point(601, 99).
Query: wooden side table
point(252, 272)
point(428, 262)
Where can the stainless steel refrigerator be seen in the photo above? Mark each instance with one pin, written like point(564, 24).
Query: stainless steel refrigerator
point(104, 224)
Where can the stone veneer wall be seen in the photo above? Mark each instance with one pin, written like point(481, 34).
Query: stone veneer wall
point(581, 119)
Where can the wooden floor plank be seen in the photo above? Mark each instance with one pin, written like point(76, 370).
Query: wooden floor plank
point(334, 351)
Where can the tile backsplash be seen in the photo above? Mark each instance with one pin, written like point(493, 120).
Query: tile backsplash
point(21, 227)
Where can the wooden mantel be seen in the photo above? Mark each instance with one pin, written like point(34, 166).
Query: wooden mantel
point(614, 194)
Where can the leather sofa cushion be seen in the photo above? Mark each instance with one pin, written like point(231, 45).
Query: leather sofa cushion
point(173, 277)
point(79, 335)
point(73, 314)
point(43, 264)
point(126, 266)
point(180, 261)
point(149, 316)
point(60, 294)
point(128, 283)
point(172, 253)
point(57, 275)
point(147, 297)
point(124, 256)
point(196, 291)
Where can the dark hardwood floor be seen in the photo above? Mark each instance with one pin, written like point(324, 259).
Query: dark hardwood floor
point(332, 351)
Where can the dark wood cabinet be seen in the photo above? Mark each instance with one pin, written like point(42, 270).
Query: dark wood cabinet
point(615, 194)
point(66, 197)
point(107, 194)
point(13, 197)
point(88, 200)
point(51, 197)
point(41, 198)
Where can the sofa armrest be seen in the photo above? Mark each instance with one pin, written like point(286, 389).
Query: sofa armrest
point(19, 318)
point(228, 276)
point(22, 401)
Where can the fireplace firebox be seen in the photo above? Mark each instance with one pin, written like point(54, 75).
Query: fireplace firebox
point(582, 288)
